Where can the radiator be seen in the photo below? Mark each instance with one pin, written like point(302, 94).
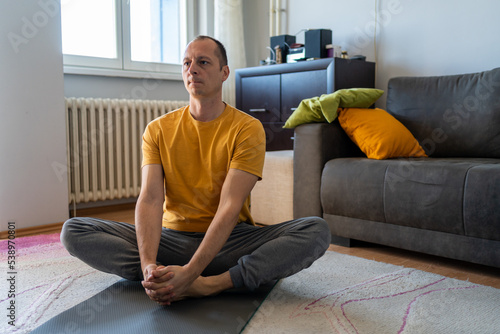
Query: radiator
point(104, 139)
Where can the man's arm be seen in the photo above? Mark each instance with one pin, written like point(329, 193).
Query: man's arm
point(148, 217)
point(235, 190)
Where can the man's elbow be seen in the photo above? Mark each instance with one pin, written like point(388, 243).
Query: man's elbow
point(149, 199)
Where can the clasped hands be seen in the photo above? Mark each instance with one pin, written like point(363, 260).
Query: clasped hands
point(165, 285)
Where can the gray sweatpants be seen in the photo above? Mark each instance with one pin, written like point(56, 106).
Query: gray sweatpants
point(253, 255)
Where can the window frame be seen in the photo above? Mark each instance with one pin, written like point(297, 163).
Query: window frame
point(191, 11)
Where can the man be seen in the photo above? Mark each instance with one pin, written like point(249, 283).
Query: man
point(194, 235)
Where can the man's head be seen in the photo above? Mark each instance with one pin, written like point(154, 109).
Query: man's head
point(205, 67)
point(220, 52)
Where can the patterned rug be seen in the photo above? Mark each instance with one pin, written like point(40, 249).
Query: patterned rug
point(337, 294)
point(45, 281)
point(345, 294)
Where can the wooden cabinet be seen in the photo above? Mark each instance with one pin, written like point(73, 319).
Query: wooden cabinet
point(262, 97)
point(271, 93)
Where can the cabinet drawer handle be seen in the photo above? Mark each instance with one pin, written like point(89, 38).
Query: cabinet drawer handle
point(257, 110)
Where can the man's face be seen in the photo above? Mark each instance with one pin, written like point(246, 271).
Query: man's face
point(201, 70)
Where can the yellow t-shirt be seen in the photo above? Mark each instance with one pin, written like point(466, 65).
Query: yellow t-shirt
point(196, 157)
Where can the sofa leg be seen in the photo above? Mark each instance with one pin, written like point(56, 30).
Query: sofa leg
point(341, 241)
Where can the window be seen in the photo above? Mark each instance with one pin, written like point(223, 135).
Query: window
point(155, 31)
point(127, 35)
point(98, 39)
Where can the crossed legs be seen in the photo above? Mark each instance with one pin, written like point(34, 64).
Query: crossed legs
point(252, 256)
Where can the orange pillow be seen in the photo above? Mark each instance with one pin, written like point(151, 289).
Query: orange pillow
point(378, 134)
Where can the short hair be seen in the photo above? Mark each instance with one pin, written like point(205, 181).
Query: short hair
point(220, 52)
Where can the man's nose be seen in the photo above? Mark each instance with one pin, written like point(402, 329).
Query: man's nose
point(192, 68)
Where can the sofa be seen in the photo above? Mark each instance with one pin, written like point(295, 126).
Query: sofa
point(446, 204)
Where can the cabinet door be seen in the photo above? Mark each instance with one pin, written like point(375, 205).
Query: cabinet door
point(261, 97)
point(278, 138)
point(298, 86)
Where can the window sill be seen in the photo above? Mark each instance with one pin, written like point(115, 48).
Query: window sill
point(107, 72)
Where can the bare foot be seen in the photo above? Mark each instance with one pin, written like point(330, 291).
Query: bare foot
point(207, 286)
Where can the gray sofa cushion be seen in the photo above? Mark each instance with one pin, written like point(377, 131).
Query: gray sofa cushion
point(354, 187)
point(451, 116)
point(482, 202)
point(428, 193)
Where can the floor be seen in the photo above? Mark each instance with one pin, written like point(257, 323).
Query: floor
point(446, 267)
point(455, 269)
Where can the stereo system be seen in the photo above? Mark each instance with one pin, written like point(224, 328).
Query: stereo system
point(316, 41)
point(284, 42)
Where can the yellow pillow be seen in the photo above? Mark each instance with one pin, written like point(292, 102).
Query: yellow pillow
point(378, 134)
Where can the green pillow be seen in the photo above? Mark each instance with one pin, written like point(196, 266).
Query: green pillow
point(324, 108)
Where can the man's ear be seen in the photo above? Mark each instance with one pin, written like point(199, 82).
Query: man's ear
point(226, 72)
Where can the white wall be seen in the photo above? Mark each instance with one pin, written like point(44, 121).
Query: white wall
point(33, 182)
point(415, 37)
point(123, 88)
point(256, 26)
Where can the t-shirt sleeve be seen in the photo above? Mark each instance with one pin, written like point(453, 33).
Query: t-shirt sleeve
point(150, 147)
point(250, 149)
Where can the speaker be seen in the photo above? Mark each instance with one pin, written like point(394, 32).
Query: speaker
point(316, 41)
point(284, 41)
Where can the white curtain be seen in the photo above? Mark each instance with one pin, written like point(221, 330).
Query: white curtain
point(228, 28)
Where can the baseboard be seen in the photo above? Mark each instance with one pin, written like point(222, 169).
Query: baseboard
point(56, 227)
point(34, 230)
point(84, 212)
point(106, 203)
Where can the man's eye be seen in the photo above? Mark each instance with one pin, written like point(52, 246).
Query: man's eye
point(203, 62)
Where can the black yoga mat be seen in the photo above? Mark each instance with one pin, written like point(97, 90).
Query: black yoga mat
point(124, 307)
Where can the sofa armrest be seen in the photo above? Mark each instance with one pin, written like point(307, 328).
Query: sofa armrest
point(314, 145)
